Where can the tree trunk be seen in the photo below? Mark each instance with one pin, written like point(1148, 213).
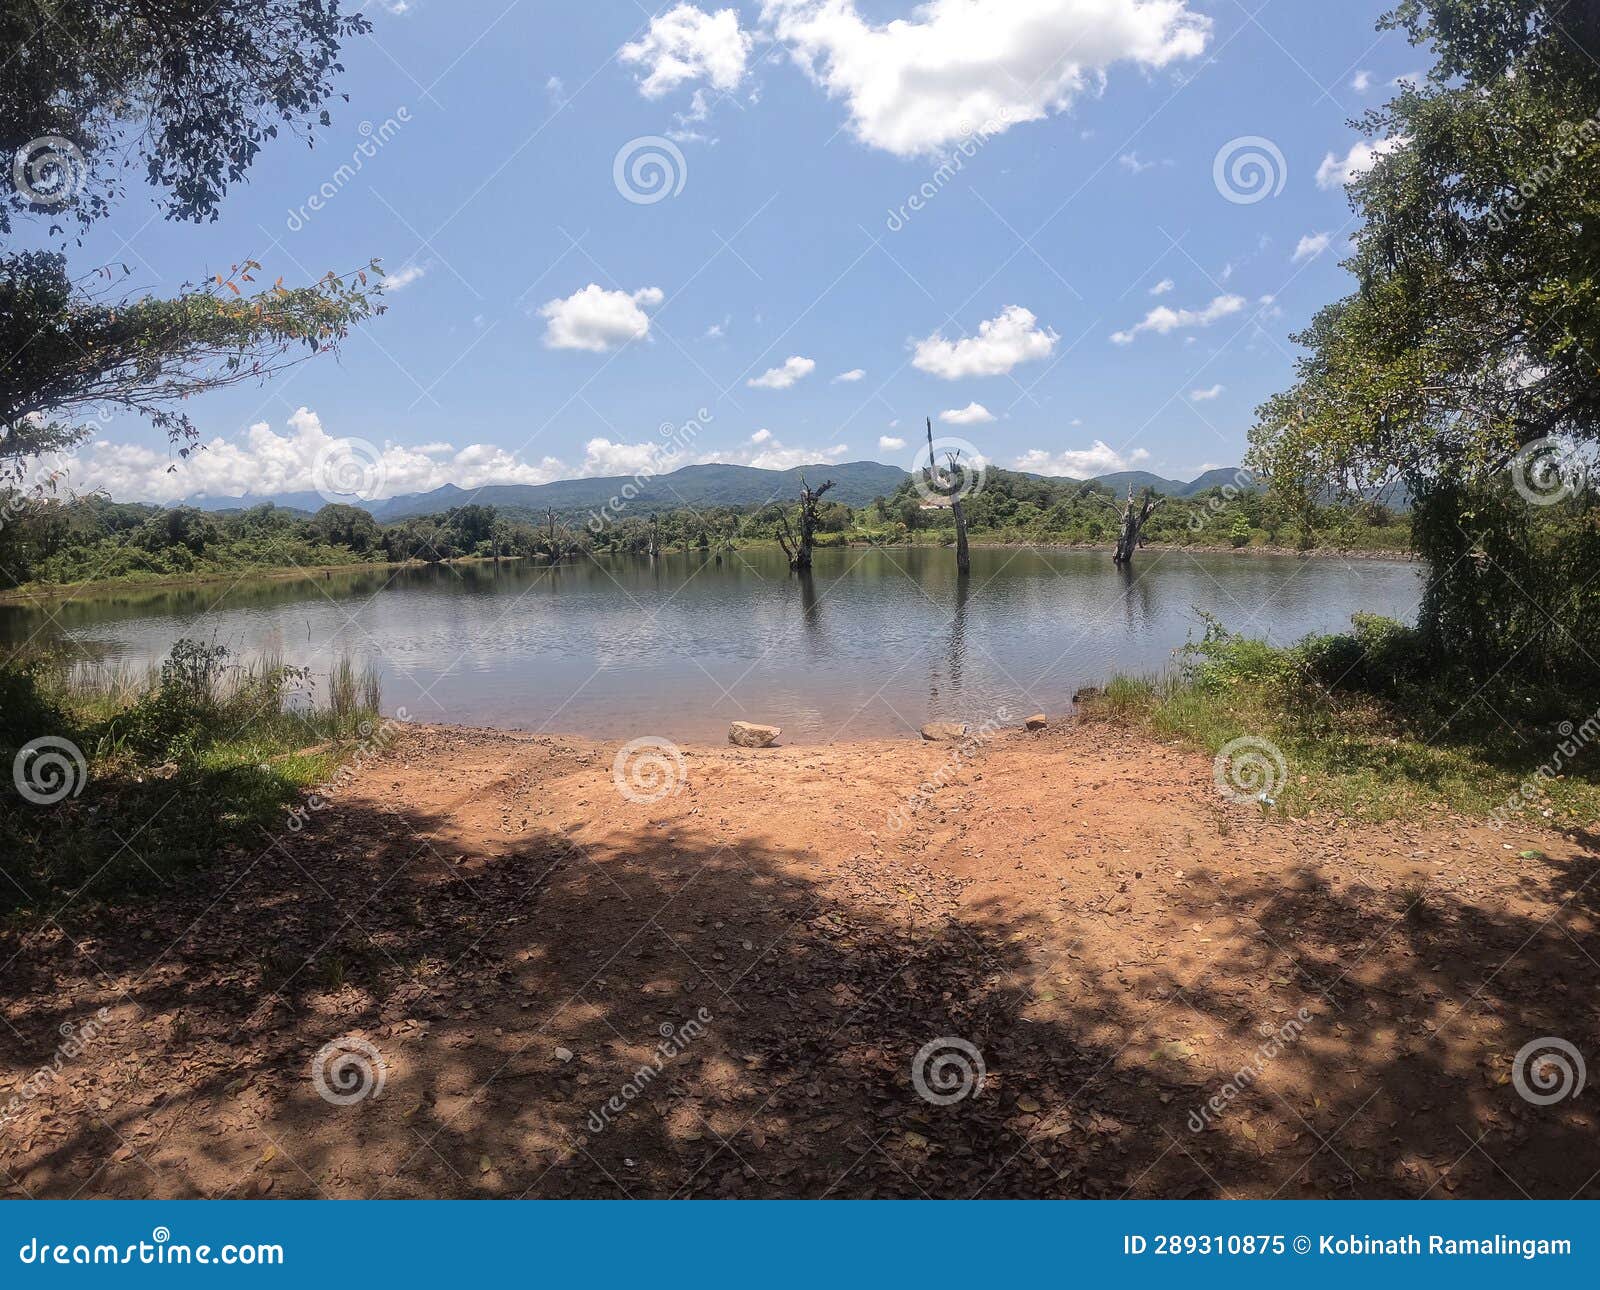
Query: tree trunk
point(950, 485)
point(1134, 518)
point(799, 549)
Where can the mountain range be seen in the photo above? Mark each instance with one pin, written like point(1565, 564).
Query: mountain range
point(856, 483)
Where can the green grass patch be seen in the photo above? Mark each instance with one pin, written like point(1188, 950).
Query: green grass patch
point(122, 782)
point(1371, 728)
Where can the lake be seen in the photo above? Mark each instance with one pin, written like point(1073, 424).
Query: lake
point(874, 642)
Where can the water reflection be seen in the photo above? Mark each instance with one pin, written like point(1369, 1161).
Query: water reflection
point(872, 642)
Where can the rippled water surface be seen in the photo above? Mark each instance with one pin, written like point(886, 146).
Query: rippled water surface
point(872, 643)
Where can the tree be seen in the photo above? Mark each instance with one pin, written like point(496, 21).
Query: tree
point(191, 90)
point(1471, 343)
point(340, 525)
point(798, 548)
point(1130, 537)
point(951, 483)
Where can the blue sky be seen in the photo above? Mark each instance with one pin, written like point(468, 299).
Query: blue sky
point(1077, 271)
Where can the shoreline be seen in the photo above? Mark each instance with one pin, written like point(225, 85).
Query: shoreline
point(41, 592)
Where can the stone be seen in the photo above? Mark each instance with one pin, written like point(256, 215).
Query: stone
point(1087, 693)
point(746, 734)
point(1038, 721)
point(944, 731)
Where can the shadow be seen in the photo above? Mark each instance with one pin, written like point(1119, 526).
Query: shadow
point(688, 1011)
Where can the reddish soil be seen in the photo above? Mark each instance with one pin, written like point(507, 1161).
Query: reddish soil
point(513, 938)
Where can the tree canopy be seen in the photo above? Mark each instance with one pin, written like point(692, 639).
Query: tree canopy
point(188, 92)
point(1476, 326)
point(1472, 342)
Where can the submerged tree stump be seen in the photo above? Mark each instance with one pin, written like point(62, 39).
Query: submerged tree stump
point(1134, 517)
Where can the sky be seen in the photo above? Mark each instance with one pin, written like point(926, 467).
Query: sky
point(1076, 233)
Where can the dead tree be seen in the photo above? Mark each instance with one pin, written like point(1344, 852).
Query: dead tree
point(655, 536)
point(1134, 517)
point(951, 483)
point(798, 549)
point(555, 546)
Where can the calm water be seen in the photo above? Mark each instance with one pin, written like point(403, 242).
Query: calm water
point(873, 643)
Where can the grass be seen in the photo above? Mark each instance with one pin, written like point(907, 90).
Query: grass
point(172, 765)
point(1381, 738)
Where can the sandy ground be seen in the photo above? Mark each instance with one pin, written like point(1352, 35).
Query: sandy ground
point(725, 992)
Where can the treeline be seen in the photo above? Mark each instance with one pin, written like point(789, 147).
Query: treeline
point(1014, 508)
point(95, 539)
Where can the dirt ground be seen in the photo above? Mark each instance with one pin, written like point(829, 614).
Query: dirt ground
point(725, 992)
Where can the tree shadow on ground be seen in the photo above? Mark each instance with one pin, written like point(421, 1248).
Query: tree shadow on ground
point(681, 1016)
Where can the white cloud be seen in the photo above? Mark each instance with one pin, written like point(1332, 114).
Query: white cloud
point(597, 320)
point(890, 443)
point(1205, 396)
point(915, 85)
point(262, 461)
point(1130, 162)
point(770, 454)
point(794, 369)
point(556, 88)
point(602, 457)
point(1361, 82)
point(403, 277)
point(971, 415)
point(1001, 343)
point(1099, 459)
point(1336, 172)
point(1162, 320)
point(1311, 246)
point(687, 44)
point(1161, 288)
point(854, 374)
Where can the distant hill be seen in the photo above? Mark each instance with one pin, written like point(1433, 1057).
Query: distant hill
point(310, 502)
point(1222, 477)
point(856, 483)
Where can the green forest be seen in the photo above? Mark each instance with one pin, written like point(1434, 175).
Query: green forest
point(93, 539)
